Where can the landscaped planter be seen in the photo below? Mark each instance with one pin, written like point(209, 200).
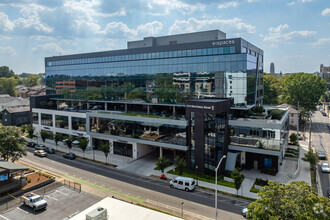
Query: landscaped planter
point(258, 187)
point(228, 179)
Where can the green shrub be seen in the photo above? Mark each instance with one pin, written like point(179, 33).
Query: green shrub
point(276, 113)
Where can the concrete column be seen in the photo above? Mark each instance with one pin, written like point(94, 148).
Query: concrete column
point(53, 119)
point(173, 111)
point(87, 105)
point(70, 122)
point(90, 143)
point(148, 109)
point(160, 151)
point(105, 106)
point(125, 107)
point(39, 118)
point(173, 153)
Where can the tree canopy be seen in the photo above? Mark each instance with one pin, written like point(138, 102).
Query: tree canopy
point(7, 85)
point(271, 89)
point(305, 88)
point(293, 201)
point(12, 144)
point(6, 72)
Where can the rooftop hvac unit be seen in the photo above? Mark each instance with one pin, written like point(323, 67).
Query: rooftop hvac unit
point(97, 214)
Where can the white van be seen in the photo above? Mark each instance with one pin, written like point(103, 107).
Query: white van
point(184, 183)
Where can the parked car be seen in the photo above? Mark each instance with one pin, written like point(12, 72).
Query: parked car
point(322, 155)
point(31, 144)
point(325, 168)
point(40, 153)
point(40, 147)
point(50, 150)
point(34, 201)
point(244, 211)
point(184, 183)
point(329, 192)
point(324, 114)
point(69, 156)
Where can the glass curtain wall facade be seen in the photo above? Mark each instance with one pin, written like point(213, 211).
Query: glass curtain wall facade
point(163, 77)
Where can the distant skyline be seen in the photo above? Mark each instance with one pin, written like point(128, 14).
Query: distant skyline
point(294, 34)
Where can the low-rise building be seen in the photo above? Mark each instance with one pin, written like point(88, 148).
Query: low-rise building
point(16, 116)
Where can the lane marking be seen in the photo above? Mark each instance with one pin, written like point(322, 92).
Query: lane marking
point(22, 210)
point(4, 217)
point(62, 192)
point(51, 197)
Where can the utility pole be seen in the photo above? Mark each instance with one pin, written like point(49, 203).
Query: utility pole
point(310, 130)
point(298, 121)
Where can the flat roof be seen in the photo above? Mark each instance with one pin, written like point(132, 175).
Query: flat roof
point(12, 166)
point(117, 209)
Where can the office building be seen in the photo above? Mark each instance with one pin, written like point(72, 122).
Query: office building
point(161, 93)
point(272, 69)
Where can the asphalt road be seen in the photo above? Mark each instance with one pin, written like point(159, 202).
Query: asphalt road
point(321, 142)
point(141, 187)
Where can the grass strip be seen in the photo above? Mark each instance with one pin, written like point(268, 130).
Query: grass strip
point(157, 210)
point(105, 189)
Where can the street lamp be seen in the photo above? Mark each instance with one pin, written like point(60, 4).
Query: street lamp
point(182, 209)
point(216, 188)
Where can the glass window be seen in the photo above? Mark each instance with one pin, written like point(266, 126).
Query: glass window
point(61, 121)
point(78, 124)
point(209, 51)
point(46, 119)
point(226, 50)
point(35, 118)
point(232, 49)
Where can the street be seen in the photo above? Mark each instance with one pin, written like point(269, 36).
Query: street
point(141, 187)
point(320, 142)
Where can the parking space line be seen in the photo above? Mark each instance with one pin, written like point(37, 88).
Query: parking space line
point(4, 217)
point(51, 197)
point(62, 192)
point(22, 210)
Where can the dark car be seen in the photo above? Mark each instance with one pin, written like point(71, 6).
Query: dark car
point(69, 156)
point(329, 193)
point(324, 114)
point(322, 155)
point(31, 144)
point(50, 150)
point(40, 147)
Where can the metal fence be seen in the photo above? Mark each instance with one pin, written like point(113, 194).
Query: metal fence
point(75, 186)
point(16, 201)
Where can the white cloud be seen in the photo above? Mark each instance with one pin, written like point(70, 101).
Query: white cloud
point(34, 23)
point(120, 29)
point(7, 51)
point(228, 4)
point(326, 12)
point(322, 41)
point(306, 1)
point(291, 4)
point(165, 7)
point(280, 28)
point(42, 38)
point(50, 47)
point(278, 36)
point(193, 24)
point(5, 23)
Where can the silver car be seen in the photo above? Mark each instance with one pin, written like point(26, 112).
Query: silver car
point(325, 168)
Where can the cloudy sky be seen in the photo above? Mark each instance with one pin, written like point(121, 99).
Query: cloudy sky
point(294, 34)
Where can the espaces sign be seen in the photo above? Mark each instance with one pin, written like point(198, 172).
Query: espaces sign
point(223, 42)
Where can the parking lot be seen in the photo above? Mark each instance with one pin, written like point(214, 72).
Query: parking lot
point(62, 203)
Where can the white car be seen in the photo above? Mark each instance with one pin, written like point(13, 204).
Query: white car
point(325, 168)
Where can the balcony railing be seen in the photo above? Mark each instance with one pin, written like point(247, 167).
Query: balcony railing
point(261, 143)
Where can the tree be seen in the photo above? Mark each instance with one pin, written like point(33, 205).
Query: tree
point(32, 80)
point(106, 149)
point(43, 135)
point(69, 142)
point(12, 143)
point(6, 72)
point(271, 89)
point(311, 157)
point(162, 163)
point(293, 201)
point(238, 178)
point(83, 143)
point(7, 85)
point(293, 138)
point(305, 88)
point(180, 164)
point(30, 130)
point(57, 137)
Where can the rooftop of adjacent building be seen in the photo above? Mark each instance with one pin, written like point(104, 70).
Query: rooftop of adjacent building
point(17, 110)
